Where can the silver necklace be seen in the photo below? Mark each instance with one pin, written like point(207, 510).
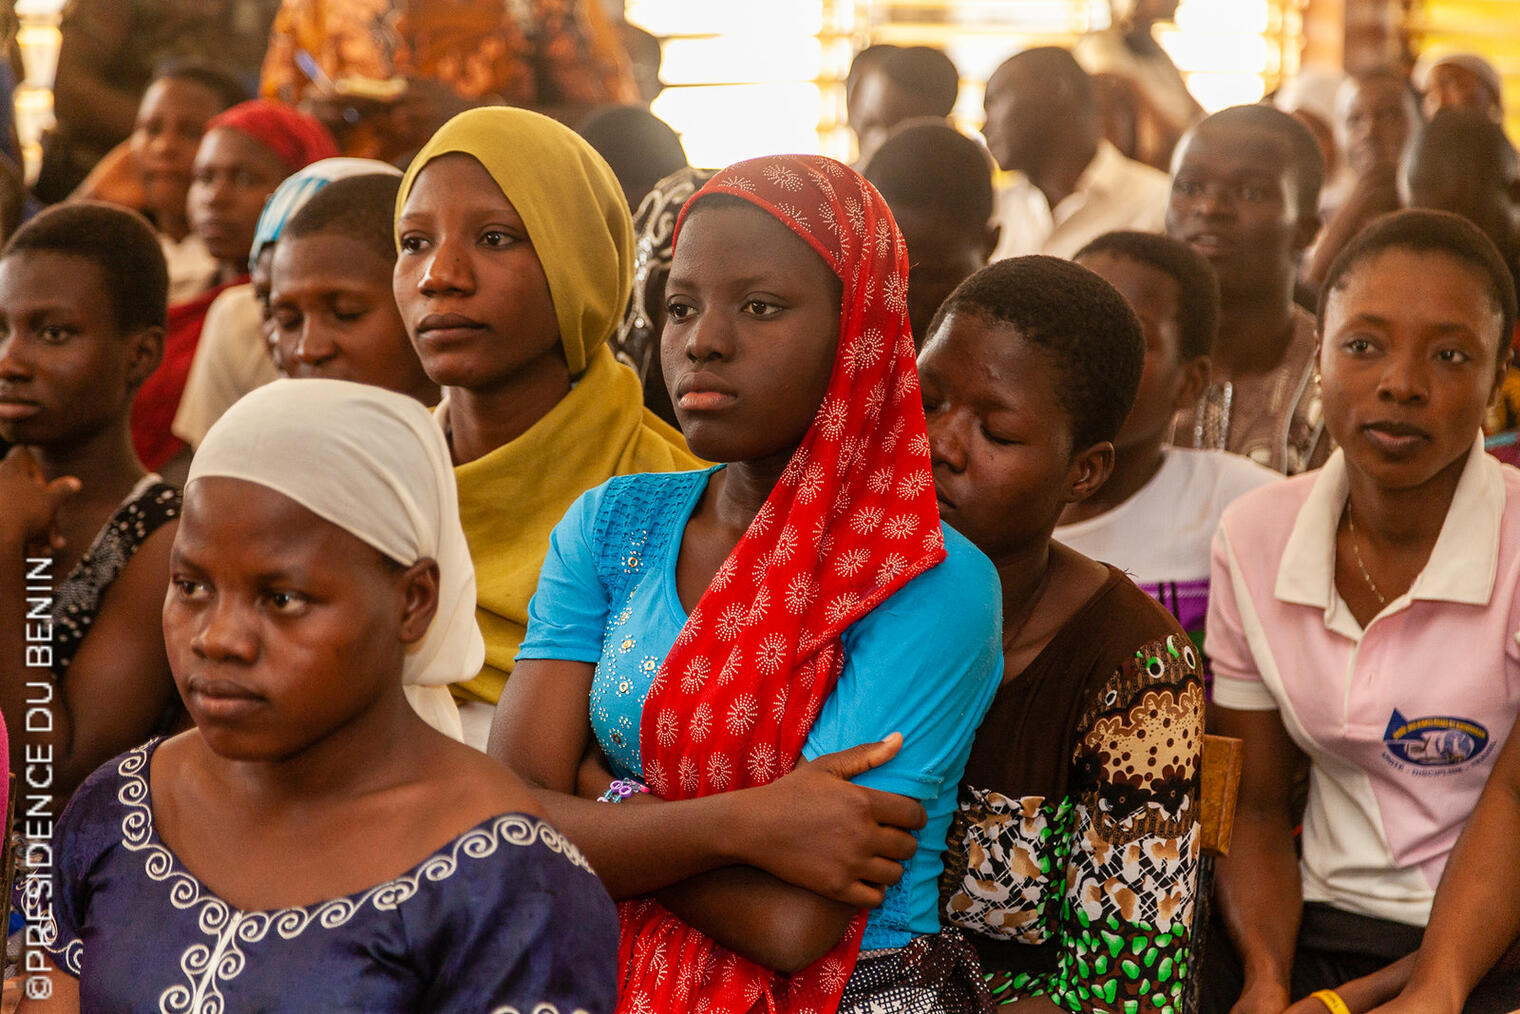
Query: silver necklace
point(1357, 552)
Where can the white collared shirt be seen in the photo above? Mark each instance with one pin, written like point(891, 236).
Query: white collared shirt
point(1402, 719)
point(1113, 192)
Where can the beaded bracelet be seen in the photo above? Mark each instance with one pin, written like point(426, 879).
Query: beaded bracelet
point(621, 790)
point(1332, 1000)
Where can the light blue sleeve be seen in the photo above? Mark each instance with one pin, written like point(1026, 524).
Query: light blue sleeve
point(568, 612)
point(925, 663)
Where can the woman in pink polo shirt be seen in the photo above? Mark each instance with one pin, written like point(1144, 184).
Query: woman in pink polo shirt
point(1363, 623)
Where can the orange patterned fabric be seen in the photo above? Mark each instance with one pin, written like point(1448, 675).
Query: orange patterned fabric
point(852, 520)
point(516, 52)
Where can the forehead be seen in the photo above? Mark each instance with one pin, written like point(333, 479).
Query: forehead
point(1143, 286)
point(224, 147)
point(990, 361)
point(1378, 92)
point(236, 523)
point(1421, 288)
point(734, 237)
point(1233, 150)
point(180, 94)
point(31, 279)
point(456, 180)
point(329, 258)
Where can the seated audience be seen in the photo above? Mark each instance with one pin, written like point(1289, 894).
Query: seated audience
point(1245, 189)
point(1339, 602)
point(311, 844)
point(906, 84)
point(1073, 185)
point(246, 152)
point(1448, 80)
point(515, 266)
point(237, 351)
point(151, 171)
point(391, 72)
point(1075, 834)
point(1377, 118)
point(639, 146)
point(636, 343)
point(705, 633)
point(938, 183)
point(331, 298)
point(1155, 517)
point(82, 294)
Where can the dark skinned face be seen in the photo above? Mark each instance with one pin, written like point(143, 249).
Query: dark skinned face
point(751, 331)
point(1000, 440)
point(1234, 198)
point(469, 284)
point(335, 315)
point(1377, 121)
point(1408, 365)
point(67, 369)
point(941, 255)
point(170, 121)
point(282, 627)
point(233, 177)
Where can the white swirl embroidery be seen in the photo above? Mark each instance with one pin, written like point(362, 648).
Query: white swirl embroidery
point(208, 965)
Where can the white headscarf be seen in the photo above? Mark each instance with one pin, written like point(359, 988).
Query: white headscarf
point(373, 463)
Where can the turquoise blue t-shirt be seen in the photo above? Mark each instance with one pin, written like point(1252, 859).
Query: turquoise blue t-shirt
point(926, 662)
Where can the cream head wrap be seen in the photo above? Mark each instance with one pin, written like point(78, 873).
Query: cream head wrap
point(379, 469)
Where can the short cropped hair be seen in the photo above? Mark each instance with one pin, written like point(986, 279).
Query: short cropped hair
point(1197, 287)
point(1075, 317)
point(637, 144)
point(928, 165)
point(1467, 139)
point(1421, 230)
point(228, 90)
point(359, 207)
point(119, 242)
point(925, 73)
point(1307, 160)
point(1058, 67)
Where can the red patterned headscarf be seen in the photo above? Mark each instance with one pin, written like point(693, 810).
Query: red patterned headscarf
point(852, 520)
point(298, 139)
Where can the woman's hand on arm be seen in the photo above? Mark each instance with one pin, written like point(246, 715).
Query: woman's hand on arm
point(1257, 885)
point(837, 848)
point(811, 827)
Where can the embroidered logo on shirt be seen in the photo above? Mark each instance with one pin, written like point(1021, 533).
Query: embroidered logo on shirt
point(1435, 740)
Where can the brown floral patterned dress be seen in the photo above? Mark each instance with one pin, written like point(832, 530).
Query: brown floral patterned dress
point(1073, 854)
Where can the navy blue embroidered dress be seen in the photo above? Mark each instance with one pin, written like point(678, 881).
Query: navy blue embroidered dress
point(506, 918)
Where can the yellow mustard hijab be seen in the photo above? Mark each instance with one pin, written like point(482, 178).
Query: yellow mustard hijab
point(511, 499)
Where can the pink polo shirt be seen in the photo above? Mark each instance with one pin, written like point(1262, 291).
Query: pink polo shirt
point(1401, 720)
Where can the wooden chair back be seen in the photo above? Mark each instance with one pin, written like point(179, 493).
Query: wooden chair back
point(1218, 790)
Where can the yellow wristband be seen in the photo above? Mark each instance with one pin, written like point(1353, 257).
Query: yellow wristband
point(1331, 999)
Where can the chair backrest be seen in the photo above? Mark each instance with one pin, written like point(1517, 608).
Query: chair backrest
point(1218, 789)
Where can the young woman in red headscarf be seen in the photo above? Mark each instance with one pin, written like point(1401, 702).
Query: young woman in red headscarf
point(781, 660)
point(245, 153)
